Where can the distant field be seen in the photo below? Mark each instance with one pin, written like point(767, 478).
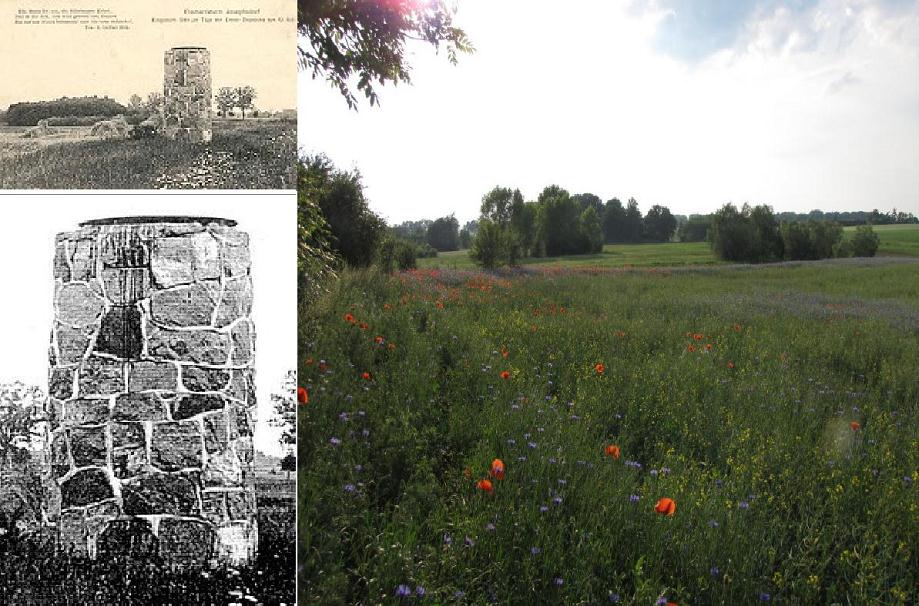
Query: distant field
point(896, 240)
point(613, 255)
point(252, 154)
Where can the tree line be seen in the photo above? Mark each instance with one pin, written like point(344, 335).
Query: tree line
point(754, 234)
point(509, 228)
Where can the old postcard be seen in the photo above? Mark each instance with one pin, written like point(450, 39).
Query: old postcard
point(130, 95)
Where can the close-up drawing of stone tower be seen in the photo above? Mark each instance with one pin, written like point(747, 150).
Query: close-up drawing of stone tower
point(187, 113)
point(152, 397)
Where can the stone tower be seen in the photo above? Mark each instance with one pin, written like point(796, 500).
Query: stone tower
point(187, 111)
point(151, 390)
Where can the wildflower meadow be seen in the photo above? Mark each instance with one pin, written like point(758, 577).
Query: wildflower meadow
point(717, 435)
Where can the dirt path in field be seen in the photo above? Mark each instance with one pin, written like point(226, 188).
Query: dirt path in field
point(209, 170)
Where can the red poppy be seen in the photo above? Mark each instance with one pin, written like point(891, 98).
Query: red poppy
point(323, 366)
point(737, 328)
point(309, 361)
point(378, 339)
point(364, 325)
point(387, 306)
point(690, 348)
point(504, 352)
point(485, 486)
point(497, 469)
point(505, 375)
point(708, 347)
point(665, 506)
point(730, 365)
point(600, 368)
point(697, 336)
point(365, 375)
point(439, 305)
point(613, 451)
point(855, 425)
point(349, 318)
point(303, 396)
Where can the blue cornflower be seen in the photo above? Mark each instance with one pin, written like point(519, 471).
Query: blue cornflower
point(557, 500)
point(512, 442)
point(448, 540)
point(403, 591)
point(558, 581)
point(419, 591)
point(349, 488)
point(490, 527)
point(543, 508)
point(343, 417)
point(614, 598)
point(714, 571)
point(764, 597)
point(335, 442)
point(531, 444)
point(633, 498)
point(743, 505)
point(535, 550)
point(468, 541)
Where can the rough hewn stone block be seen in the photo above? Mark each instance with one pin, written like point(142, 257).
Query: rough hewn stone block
point(195, 378)
point(88, 447)
point(175, 445)
point(195, 346)
point(85, 411)
point(191, 404)
point(127, 537)
point(78, 304)
point(186, 542)
point(190, 305)
point(85, 487)
point(143, 406)
point(120, 333)
point(152, 375)
point(161, 493)
point(101, 376)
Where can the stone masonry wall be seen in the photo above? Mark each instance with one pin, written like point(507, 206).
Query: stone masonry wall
point(152, 395)
point(187, 113)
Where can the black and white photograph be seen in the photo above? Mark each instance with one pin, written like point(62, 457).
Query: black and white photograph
point(147, 400)
point(166, 95)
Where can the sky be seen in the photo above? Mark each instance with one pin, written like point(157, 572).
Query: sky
point(27, 246)
point(45, 62)
point(689, 104)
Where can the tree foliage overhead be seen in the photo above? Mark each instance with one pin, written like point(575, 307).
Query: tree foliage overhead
point(366, 39)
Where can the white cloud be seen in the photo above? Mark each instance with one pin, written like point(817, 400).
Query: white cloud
point(579, 96)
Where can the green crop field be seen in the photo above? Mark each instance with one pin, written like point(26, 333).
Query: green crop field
point(896, 240)
point(764, 421)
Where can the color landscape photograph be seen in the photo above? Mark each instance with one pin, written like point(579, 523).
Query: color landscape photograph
point(608, 303)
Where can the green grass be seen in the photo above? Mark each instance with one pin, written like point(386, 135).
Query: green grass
point(259, 154)
point(775, 492)
point(896, 240)
point(613, 255)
